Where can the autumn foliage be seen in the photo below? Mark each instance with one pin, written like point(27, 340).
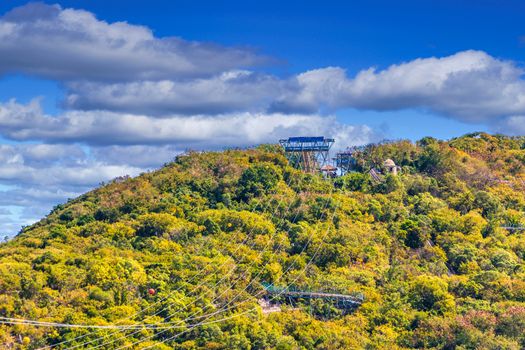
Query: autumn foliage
point(426, 248)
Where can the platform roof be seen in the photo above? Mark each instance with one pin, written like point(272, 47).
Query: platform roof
point(307, 139)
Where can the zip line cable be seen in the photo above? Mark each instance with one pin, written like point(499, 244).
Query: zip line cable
point(249, 310)
point(8, 320)
point(168, 324)
point(151, 326)
point(181, 321)
point(238, 294)
point(164, 298)
point(275, 297)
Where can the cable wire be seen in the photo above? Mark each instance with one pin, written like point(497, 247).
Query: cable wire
point(168, 324)
point(304, 248)
point(244, 312)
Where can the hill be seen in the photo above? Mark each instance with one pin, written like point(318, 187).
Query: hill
point(178, 258)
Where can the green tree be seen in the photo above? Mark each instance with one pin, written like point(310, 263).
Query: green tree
point(430, 293)
point(258, 179)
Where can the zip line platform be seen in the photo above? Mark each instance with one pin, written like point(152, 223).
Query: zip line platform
point(344, 301)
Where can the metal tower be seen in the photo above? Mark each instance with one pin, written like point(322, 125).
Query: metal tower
point(307, 153)
point(345, 160)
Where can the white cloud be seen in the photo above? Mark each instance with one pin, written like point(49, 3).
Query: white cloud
point(471, 86)
point(35, 177)
point(41, 155)
point(27, 122)
point(10, 226)
point(123, 67)
point(69, 44)
point(230, 91)
point(141, 156)
point(27, 204)
point(513, 125)
point(35, 197)
point(64, 166)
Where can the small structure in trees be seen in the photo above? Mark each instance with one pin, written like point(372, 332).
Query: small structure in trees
point(329, 171)
point(390, 167)
point(307, 153)
point(268, 307)
point(375, 175)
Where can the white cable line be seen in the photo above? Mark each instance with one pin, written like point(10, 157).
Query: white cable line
point(7, 320)
point(237, 315)
point(171, 292)
point(152, 326)
point(165, 324)
point(194, 289)
point(249, 310)
point(239, 293)
point(218, 311)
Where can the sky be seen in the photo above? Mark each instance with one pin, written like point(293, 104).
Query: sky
point(91, 90)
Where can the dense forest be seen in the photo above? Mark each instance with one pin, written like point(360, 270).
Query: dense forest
point(177, 258)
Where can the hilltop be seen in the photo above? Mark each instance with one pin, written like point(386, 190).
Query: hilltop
point(181, 254)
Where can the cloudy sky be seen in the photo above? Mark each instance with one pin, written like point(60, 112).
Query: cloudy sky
point(91, 90)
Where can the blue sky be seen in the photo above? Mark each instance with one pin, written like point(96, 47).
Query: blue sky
point(90, 90)
point(305, 35)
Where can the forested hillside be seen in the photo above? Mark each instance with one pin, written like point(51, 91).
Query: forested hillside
point(177, 257)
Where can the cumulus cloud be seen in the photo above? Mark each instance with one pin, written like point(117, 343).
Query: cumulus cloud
point(69, 44)
point(231, 91)
point(35, 197)
point(66, 166)
point(41, 155)
point(24, 122)
point(471, 86)
point(121, 67)
point(9, 225)
point(27, 204)
point(140, 156)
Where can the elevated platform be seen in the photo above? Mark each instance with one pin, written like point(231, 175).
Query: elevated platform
point(513, 228)
point(308, 153)
point(344, 301)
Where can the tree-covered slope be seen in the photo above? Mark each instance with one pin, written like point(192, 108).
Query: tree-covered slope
point(178, 256)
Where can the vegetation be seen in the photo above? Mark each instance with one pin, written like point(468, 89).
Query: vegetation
point(425, 248)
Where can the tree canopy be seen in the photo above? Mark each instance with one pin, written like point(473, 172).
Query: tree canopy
point(427, 248)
